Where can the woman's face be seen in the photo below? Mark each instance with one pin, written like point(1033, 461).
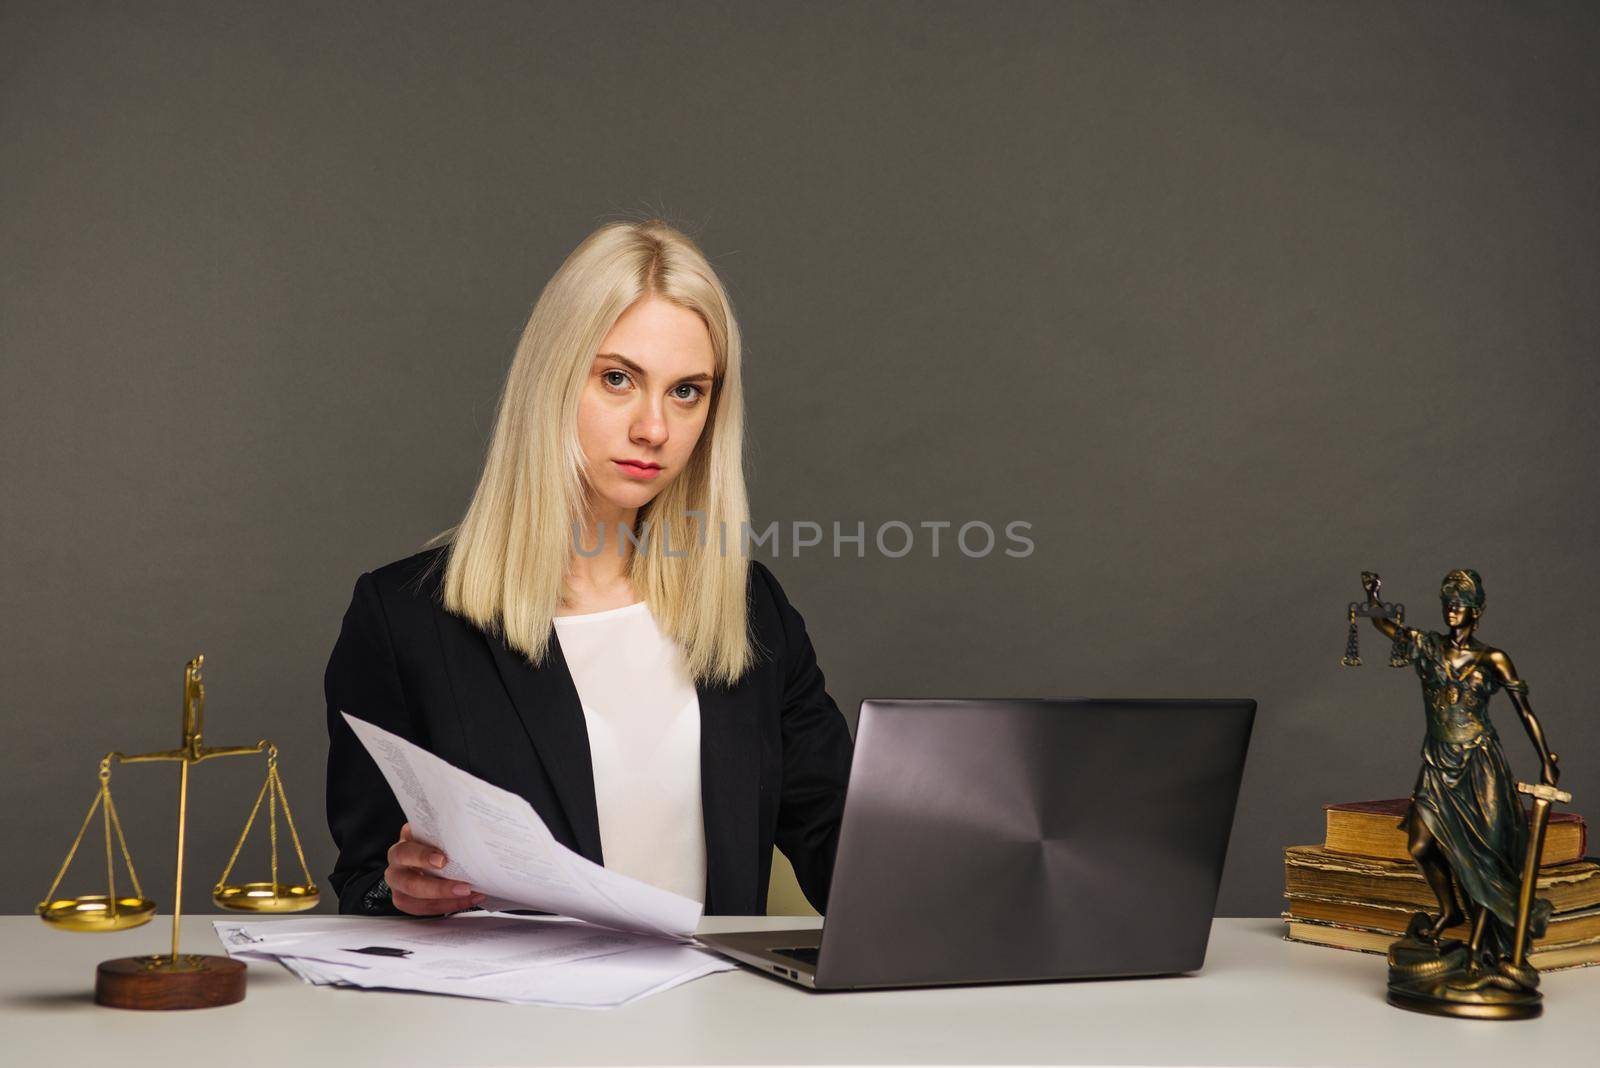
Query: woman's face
point(1457, 614)
point(645, 402)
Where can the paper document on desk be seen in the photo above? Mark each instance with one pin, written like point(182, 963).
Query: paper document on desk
point(594, 983)
point(553, 962)
point(495, 841)
point(465, 950)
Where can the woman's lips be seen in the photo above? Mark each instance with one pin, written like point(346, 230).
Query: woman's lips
point(642, 472)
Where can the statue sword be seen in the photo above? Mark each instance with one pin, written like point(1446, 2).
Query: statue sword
point(1543, 797)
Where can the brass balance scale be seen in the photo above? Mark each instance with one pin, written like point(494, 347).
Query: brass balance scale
point(177, 980)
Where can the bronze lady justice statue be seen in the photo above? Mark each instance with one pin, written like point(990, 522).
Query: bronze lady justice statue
point(1466, 825)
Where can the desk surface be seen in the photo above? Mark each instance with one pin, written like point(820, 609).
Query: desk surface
point(1258, 1001)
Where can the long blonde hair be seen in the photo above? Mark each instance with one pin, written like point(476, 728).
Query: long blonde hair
point(509, 556)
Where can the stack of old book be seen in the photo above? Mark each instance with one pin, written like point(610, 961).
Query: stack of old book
point(1360, 888)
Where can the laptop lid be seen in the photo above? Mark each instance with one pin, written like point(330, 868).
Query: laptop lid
point(1011, 839)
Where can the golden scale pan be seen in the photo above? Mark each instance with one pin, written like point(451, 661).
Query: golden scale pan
point(178, 980)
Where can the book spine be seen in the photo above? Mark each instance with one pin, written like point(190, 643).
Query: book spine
point(1571, 943)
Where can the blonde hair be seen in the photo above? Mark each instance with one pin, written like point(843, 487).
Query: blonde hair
point(509, 555)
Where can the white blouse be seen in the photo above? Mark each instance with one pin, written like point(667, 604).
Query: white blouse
point(643, 716)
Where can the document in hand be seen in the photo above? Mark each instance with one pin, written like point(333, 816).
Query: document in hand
point(494, 840)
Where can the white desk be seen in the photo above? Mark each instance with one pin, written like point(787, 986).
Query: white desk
point(1258, 1001)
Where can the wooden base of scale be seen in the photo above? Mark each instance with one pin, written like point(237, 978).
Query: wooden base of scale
point(191, 981)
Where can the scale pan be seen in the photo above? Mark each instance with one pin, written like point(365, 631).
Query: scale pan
point(266, 897)
point(96, 912)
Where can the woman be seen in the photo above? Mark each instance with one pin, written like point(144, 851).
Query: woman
point(591, 635)
point(1466, 827)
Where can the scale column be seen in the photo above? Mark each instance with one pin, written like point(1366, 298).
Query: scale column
point(183, 812)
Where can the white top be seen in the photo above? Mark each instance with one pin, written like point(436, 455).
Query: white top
point(643, 716)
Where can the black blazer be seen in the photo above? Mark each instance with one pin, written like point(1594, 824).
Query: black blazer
point(774, 749)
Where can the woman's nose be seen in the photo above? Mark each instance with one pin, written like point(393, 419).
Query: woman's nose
point(650, 426)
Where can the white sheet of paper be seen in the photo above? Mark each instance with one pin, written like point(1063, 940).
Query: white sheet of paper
point(265, 938)
point(496, 842)
point(463, 948)
point(590, 983)
point(596, 983)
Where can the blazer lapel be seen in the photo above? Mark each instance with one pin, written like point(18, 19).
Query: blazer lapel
point(551, 712)
point(730, 785)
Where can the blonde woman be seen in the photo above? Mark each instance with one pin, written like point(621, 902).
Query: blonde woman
point(590, 636)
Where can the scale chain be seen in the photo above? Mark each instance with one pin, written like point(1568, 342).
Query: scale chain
point(248, 823)
point(111, 872)
point(273, 793)
point(93, 808)
point(116, 821)
point(113, 823)
point(294, 836)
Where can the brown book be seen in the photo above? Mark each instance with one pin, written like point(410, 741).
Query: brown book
point(1370, 829)
point(1311, 871)
point(1392, 918)
point(1551, 958)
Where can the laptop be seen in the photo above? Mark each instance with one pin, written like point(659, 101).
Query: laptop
point(1004, 840)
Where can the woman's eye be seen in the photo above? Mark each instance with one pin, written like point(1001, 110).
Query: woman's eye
point(695, 392)
point(620, 381)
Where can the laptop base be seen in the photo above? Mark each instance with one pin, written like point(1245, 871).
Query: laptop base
point(763, 951)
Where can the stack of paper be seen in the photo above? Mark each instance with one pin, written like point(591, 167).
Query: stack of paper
point(525, 960)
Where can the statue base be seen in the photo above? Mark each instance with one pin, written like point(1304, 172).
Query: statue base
point(1433, 1003)
point(1441, 978)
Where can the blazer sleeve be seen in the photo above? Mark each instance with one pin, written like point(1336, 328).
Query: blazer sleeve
point(816, 758)
point(363, 679)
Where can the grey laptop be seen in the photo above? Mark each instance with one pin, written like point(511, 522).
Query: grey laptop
point(1021, 839)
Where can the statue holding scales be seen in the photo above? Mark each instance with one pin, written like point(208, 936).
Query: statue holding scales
point(1465, 826)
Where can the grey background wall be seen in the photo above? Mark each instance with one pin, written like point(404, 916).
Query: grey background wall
point(1229, 301)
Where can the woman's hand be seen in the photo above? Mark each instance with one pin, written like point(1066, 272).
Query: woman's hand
point(414, 885)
